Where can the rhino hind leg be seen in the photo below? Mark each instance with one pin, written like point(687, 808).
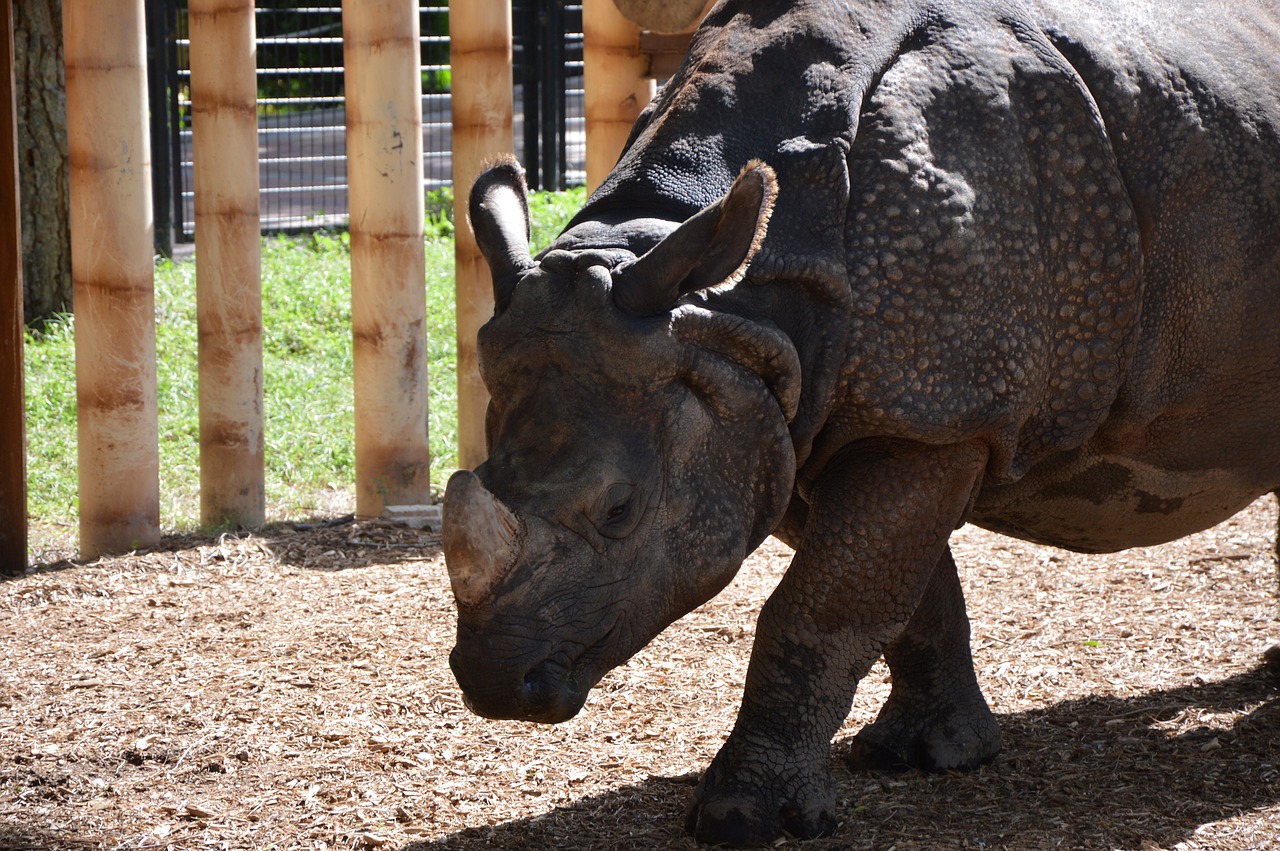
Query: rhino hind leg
point(936, 717)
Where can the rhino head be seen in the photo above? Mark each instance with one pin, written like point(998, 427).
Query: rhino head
point(638, 445)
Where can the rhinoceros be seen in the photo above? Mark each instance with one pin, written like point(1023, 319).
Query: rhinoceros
point(865, 271)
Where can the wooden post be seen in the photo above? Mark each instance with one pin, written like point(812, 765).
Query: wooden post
point(480, 52)
point(665, 16)
point(112, 274)
point(617, 83)
point(224, 126)
point(388, 266)
point(13, 455)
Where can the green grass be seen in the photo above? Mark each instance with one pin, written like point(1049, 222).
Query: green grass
point(306, 290)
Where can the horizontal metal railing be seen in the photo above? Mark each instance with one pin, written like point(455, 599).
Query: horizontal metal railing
point(302, 137)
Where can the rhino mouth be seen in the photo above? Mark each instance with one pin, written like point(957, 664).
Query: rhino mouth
point(549, 691)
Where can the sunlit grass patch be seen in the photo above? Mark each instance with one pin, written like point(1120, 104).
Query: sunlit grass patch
point(308, 391)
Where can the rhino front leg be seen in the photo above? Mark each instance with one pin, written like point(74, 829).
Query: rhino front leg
point(879, 519)
point(936, 717)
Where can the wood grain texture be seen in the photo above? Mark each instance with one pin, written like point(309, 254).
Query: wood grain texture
point(388, 277)
point(228, 262)
point(482, 120)
point(111, 258)
point(13, 470)
point(617, 82)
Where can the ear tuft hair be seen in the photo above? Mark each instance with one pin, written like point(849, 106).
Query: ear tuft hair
point(712, 247)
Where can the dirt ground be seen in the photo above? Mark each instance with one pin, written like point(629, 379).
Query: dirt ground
point(291, 690)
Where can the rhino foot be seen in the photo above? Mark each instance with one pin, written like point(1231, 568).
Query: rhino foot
point(955, 739)
point(742, 803)
point(936, 717)
point(1271, 659)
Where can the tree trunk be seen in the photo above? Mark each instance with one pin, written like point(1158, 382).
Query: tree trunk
point(42, 157)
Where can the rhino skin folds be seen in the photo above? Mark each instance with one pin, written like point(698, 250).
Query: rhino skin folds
point(867, 271)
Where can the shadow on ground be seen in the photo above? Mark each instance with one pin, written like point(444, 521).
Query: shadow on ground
point(1090, 773)
point(322, 543)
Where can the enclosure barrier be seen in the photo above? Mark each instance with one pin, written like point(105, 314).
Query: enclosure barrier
point(13, 472)
point(388, 265)
point(480, 52)
point(114, 281)
point(617, 82)
point(112, 237)
point(112, 275)
point(224, 93)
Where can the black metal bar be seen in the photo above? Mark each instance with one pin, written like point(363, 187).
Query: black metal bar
point(573, 72)
point(530, 47)
point(173, 83)
point(551, 94)
point(161, 154)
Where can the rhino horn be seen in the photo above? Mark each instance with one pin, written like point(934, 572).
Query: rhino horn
point(482, 538)
point(499, 214)
point(712, 247)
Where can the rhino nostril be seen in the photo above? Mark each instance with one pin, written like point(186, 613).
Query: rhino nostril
point(537, 684)
point(544, 687)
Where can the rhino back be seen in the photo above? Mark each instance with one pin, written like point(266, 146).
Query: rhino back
point(1192, 111)
point(1051, 227)
point(992, 250)
point(1191, 98)
point(758, 72)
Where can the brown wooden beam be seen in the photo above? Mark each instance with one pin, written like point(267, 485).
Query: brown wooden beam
point(388, 277)
point(224, 125)
point(617, 82)
point(480, 47)
point(113, 275)
point(665, 51)
point(13, 467)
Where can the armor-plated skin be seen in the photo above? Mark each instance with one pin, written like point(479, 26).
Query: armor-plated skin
point(867, 271)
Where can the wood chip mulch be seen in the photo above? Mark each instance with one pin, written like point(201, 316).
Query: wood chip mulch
point(290, 690)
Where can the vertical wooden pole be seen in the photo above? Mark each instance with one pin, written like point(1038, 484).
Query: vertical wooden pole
point(112, 274)
point(480, 53)
point(615, 76)
point(388, 266)
point(13, 454)
point(224, 127)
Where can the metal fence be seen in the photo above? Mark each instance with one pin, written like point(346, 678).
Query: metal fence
point(301, 118)
point(550, 127)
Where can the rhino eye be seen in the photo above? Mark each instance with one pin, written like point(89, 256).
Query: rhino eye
point(614, 510)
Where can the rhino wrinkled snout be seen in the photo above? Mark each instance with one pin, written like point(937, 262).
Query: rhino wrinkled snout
point(549, 695)
point(542, 694)
point(482, 538)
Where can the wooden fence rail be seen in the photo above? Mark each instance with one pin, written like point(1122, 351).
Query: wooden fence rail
point(112, 275)
point(112, 237)
point(224, 132)
point(13, 472)
point(480, 51)
point(388, 278)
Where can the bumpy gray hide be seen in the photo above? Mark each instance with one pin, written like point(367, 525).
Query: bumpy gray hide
point(867, 271)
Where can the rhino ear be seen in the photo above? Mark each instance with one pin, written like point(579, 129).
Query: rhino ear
point(712, 247)
point(499, 213)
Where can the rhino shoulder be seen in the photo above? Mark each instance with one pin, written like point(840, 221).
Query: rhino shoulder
point(993, 251)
